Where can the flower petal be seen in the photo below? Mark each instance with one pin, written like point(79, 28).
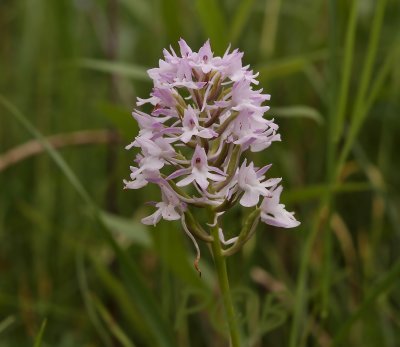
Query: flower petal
point(187, 180)
point(153, 219)
point(250, 198)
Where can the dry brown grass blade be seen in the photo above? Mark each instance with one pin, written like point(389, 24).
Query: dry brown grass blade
point(34, 147)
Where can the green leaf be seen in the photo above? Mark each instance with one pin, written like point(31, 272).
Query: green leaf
point(269, 27)
point(39, 336)
point(290, 65)
point(134, 231)
point(112, 324)
point(346, 71)
point(123, 69)
point(360, 113)
point(240, 19)
point(146, 302)
point(141, 10)
point(85, 292)
point(170, 10)
point(298, 111)
point(122, 298)
point(54, 155)
point(6, 322)
point(386, 282)
point(317, 190)
point(175, 256)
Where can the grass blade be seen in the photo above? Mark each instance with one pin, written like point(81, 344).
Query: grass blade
point(326, 268)
point(290, 65)
point(112, 324)
point(370, 58)
point(361, 112)
point(346, 71)
point(145, 301)
point(140, 9)
point(315, 191)
point(6, 322)
point(241, 17)
point(85, 292)
point(214, 23)
point(39, 337)
point(388, 280)
point(269, 27)
point(301, 295)
point(121, 296)
point(54, 155)
point(123, 69)
point(136, 232)
point(298, 111)
point(170, 10)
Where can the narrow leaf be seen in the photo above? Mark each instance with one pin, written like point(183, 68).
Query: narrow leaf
point(39, 337)
point(146, 303)
point(134, 231)
point(289, 65)
point(315, 191)
point(112, 324)
point(85, 292)
point(172, 20)
point(298, 111)
point(141, 10)
point(6, 322)
point(346, 71)
point(240, 19)
point(387, 282)
point(214, 23)
point(123, 69)
point(122, 297)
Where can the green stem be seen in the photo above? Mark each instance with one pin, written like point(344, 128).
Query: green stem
point(220, 266)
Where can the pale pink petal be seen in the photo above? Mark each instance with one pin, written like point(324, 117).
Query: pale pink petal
point(187, 135)
point(189, 179)
point(185, 49)
point(178, 173)
point(140, 182)
point(201, 178)
point(263, 170)
point(216, 178)
point(274, 213)
point(169, 213)
point(153, 219)
point(207, 133)
point(249, 198)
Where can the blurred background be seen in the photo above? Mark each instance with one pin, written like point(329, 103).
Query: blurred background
point(76, 266)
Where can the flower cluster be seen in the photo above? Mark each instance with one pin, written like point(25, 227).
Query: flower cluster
point(205, 116)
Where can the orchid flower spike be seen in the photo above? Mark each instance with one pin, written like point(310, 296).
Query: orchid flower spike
point(206, 116)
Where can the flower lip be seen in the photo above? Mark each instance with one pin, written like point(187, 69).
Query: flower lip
point(274, 213)
point(199, 171)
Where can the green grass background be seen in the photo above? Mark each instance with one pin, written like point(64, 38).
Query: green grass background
point(76, 266)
